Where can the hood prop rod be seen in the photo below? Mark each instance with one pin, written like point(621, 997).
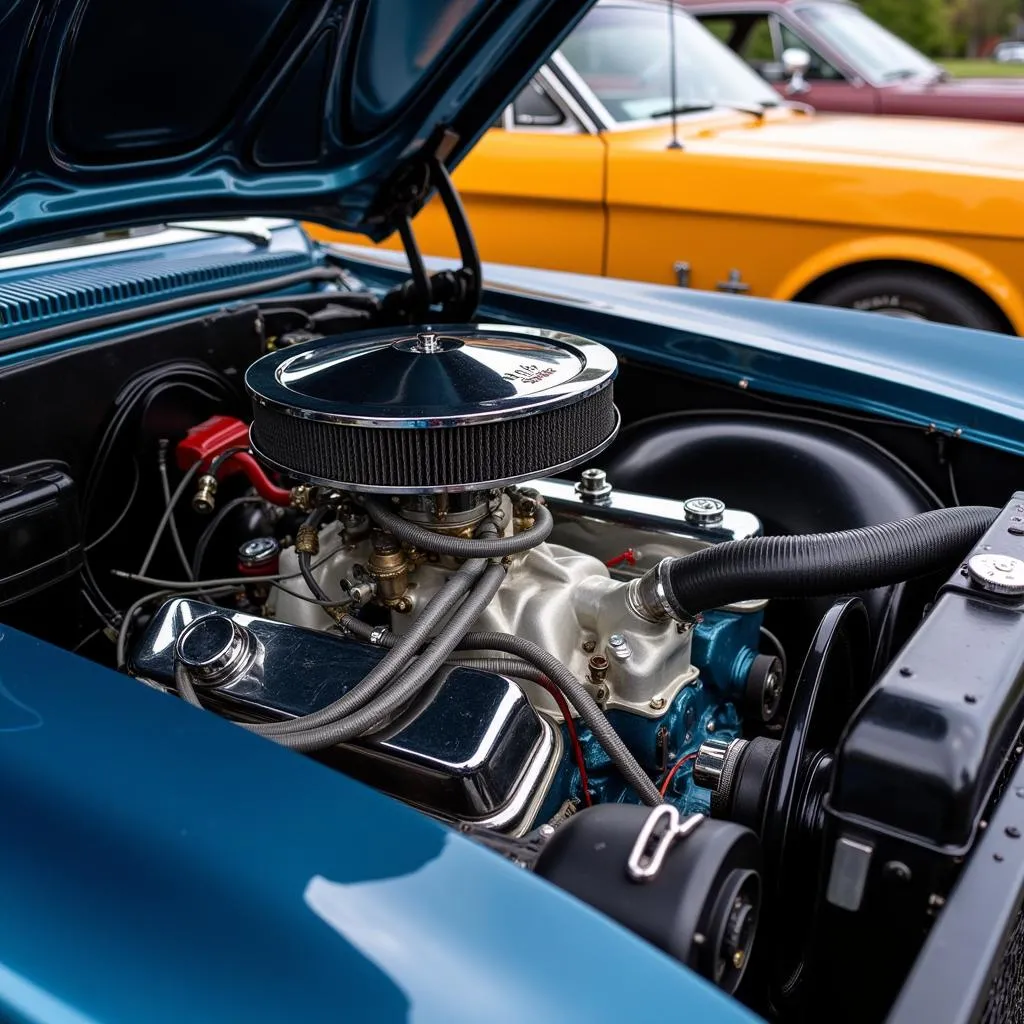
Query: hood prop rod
point(456, 291)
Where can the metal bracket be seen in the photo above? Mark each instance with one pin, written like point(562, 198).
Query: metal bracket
point(661, 831)
point(735, 285)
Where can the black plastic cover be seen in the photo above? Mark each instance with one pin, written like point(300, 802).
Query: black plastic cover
point(689, 909)
point(924, 751)
point(40, 534)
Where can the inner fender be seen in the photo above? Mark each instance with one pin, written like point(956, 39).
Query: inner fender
point(798, 477)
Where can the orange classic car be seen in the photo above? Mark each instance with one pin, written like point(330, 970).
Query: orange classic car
point(646, 149)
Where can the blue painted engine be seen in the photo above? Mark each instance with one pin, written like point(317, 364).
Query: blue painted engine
point(725, 650)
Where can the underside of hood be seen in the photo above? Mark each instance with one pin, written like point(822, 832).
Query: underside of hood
point(116, 112)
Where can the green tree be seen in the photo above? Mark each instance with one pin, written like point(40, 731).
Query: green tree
point(925, 24)
point(977, 21)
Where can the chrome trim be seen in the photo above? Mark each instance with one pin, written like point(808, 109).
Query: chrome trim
point(774, 30)
point(575, 119)
point(517, 816)
point(825, 53)
point(589, 365)
point(572, 106)
point(644, 513)
point(597, 111)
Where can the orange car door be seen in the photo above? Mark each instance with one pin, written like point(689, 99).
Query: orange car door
point(533, 189)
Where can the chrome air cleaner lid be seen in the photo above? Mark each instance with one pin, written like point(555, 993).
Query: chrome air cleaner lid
point(432, 409)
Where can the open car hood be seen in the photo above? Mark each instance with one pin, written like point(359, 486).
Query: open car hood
point(116, 113)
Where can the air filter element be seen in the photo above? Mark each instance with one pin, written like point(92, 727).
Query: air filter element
point(451, 409)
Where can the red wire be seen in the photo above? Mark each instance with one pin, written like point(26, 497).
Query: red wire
point(570, 728)
point(671, 775)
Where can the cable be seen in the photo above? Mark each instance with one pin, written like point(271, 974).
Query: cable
point(329, 603)
point(219, 460)
point(386, 704)
point(580, 698)
point(168, 512)
point(402, 649)
point(952, 481)
point(165, 486)
point(133, 402)
point(109, 623)
point(89, 636)
point(236, 581)
point(459, 547)
point(207, 535)
point(780, 651)
point(124, 511)
point(671, 775)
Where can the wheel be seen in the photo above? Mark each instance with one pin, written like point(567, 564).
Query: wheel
point(913, 295)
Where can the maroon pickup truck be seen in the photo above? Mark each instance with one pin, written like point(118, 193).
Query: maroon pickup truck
point(828, 53)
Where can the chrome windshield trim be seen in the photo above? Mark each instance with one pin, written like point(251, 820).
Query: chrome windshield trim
point(598, 112)
point(564, 98)
point(152, 240)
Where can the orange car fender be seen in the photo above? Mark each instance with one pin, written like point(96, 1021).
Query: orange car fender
point(922, 251)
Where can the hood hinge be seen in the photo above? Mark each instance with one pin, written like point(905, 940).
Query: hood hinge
point(449, 295)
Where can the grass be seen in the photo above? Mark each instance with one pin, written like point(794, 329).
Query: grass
point(960, 67)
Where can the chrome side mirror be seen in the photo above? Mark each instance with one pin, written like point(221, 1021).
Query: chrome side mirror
point(796, 62)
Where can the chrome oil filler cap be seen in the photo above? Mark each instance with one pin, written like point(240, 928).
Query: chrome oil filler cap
point(215, 649)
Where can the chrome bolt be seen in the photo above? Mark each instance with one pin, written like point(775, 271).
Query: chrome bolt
point(593, 486)
point(618, 647)
point(546, 830)
point(427, 342)
point(703, 511)
point(657, 703)
point(711, 726)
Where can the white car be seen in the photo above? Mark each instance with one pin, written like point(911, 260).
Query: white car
point(1010, 52)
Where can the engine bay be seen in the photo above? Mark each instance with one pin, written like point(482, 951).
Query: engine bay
point(405, 552)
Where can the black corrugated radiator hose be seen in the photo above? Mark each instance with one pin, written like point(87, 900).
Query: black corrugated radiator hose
point(811, 565)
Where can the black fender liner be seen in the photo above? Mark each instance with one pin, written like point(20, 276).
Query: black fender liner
point(797, 475)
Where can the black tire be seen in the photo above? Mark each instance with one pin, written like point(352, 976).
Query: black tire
point(912, 294)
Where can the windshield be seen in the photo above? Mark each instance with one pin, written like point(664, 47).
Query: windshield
point(874, 51)
point(623, 54)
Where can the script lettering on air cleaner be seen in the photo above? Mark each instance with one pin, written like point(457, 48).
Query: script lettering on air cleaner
point(529, 373)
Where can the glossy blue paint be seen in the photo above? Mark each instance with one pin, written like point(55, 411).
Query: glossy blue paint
point(956, 379)
point(159, 864)
point(724, 647)
point(698, 712)
point(118, 113)
point(78, 285)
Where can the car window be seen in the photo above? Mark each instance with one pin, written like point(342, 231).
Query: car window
point(749, 35)
point(820, 70)
point(534, 108)
point(871, 49)
point(624, 55)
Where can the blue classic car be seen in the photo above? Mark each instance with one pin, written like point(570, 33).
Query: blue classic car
point(385, 640)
